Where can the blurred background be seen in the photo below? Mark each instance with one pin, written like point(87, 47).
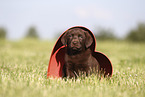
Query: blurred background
point(47, 19)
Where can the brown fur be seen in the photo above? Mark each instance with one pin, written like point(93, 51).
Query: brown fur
point(78, 56)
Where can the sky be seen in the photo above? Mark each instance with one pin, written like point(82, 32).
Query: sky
point(51, 17)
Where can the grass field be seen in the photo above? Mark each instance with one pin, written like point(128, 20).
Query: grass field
point(23, 67)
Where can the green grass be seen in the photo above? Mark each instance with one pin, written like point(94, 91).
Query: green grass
point(23, 67)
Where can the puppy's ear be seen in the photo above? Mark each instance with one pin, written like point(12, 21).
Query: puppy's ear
point(89, 39)
point(63, 39)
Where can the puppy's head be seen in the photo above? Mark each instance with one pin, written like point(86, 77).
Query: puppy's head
point(77, 39)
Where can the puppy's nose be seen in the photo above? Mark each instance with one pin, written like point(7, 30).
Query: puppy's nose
point(75, 42)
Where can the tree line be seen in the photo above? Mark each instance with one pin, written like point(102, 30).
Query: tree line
point(31, 33)
point(136, 34)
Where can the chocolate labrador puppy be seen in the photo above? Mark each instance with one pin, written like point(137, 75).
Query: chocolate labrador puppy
point(78, 56)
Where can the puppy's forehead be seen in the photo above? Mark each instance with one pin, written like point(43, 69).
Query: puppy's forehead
point(76, 31)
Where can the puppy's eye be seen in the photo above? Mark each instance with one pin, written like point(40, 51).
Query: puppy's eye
point(80, 36)
point(69, 35)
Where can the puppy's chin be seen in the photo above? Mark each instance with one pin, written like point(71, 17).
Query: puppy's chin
point(76, 48)
point(73, 50)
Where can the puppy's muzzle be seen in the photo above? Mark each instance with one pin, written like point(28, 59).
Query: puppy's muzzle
point(75, 42)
